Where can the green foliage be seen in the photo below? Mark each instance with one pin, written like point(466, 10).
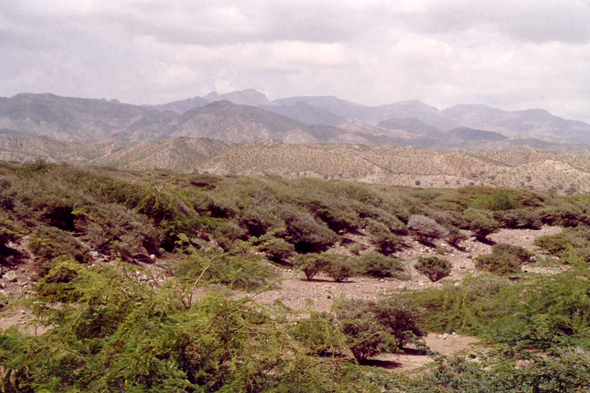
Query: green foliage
point(355, 248)
point(117, 230)
point(433, 267)
point(336, 217)
point(425, 228)
point(374, 327)
point(374, 264)
point(240, 268)
point(118, 335)
point(565, 215)
point(386, 242)
point(561, 243)
point(339, 267)
point(9, 231)
point(545, 312)
point(519, 219)
point(505, 258)
point(277, 250)
point(305, 233)
point(454, 237)
point(47, 243)
point(319, 334)
point(309, 264)
point(480, 223)
point(108, 332)
point(500, 200)
point(509, 372)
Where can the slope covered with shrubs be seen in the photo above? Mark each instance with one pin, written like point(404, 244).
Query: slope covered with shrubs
point(87, 229)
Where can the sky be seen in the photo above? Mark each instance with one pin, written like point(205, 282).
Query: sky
point(511, 54)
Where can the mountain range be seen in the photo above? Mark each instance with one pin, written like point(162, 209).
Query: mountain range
point(248, 115)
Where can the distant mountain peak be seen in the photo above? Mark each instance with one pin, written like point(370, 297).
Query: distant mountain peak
point(242, 97)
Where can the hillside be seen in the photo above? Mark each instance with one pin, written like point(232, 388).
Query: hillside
point(168, 281)
point(349, 157)
point(179, 153)
point(407, 166)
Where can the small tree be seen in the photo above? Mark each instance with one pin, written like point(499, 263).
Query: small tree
point(374, 327)
point(310, 265)
point(373, 264)
point(277, 250)
point(386, 242)
point(425, 228)
point(339, 267)
point(434, 268)
point(481, 224)
point(505, 258)
point(455, 237)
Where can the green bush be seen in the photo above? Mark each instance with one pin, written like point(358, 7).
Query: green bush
point(373, 264)
point(309, 264)
point(425, 228)
point(9, 231)
point(259, 220)
point(547, 311)
point(277, 250)
point(499, 201)
point(339, 267)
point(454, 237)
point(118, 230)
point(319, 334)
point(519, 218)
point(480, 223)
point(335, 216)
point(374, 327)
point(305, 233)
point(434, 268)
point(386, 242)
point(561, 243)
point(355, 248)
point(239, 271)
point(124, 336)
point(565, 215)
point(505, 258)
point(47, 243)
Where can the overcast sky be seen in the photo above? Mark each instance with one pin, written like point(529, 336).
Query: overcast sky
point(513, 54)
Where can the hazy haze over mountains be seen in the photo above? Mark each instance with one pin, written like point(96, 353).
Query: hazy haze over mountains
point(248, 115)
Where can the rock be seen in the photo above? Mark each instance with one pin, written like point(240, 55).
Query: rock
point(152, 257)
point(11, 276)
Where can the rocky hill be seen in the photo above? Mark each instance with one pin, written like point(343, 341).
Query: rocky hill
point(181, 153)
point(411, 167)
point(505, 165)
point(248, 115)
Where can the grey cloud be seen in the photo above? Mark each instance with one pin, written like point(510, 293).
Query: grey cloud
point(534, 21)
point(515, 54)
